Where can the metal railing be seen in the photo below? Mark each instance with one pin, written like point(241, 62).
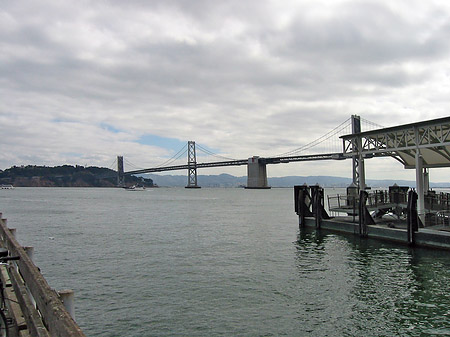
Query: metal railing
point(443, 218)
point(376, 199)
point(437, 201)
point(437, 205)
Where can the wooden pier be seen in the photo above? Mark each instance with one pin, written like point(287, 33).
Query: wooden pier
point(33, 308)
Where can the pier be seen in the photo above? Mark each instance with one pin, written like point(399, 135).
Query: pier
point(32, 307)
point(383, 216)
point(416, 216)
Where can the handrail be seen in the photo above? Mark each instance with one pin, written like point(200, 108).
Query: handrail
point(55, 317)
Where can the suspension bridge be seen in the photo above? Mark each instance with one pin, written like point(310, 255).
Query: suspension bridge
point(256, 166)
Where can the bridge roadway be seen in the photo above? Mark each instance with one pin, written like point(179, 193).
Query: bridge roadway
point(240, 162)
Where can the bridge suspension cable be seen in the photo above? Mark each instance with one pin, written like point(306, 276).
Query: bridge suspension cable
point(204, 150)
point(175, 157)
point(333, 136)
point(113, 165)
point(369, 125)
point(346, 125)
point(132, 165)
point(169, 161)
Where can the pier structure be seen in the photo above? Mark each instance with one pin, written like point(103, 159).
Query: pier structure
point(32, 307)
point(420, 146)
point(382, 215)
point(417, 215)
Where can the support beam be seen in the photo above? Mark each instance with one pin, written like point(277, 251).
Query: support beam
point(359, 176)
point(426, 180)
point(120, 175)
point(257, 174)
point(420, 188)
point(192, 166)
point(361, 173)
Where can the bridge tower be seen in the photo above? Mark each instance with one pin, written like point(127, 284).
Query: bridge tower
point(359, 176)
point(192, 166)
point(120, 174)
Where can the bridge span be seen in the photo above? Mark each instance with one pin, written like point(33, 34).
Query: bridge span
point(256, 166)
point(420, 146)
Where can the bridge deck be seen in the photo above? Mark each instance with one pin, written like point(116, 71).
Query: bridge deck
point(241, 162)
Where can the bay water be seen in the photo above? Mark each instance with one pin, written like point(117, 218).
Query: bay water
point(222, 262)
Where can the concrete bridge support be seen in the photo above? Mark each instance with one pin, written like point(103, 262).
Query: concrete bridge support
point(257, 174)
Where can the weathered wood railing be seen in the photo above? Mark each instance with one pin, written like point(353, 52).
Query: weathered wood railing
point(48, 317)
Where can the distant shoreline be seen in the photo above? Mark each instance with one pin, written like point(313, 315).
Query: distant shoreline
point(79, 176)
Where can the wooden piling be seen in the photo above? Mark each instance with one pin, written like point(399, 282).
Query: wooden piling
point(362, 212)
point(412, 220)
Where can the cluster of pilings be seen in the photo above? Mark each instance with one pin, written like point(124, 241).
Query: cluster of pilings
point(309, 202)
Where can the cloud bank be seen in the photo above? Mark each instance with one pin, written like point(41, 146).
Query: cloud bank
point(84, 81)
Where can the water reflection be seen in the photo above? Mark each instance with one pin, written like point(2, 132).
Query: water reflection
point(375, 288)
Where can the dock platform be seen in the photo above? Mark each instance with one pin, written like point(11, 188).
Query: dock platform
point(378, 215)
point(433, 237)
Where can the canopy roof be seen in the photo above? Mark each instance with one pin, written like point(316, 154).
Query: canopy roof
point(431, 138)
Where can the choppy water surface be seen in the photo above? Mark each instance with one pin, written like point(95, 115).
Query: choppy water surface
point(223, 262)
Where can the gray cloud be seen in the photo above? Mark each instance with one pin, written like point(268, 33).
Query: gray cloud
point(242, 77)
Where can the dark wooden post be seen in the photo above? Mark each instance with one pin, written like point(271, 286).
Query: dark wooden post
point(362, 213)
point(302, 203)
point(411, 216)
point(301, 208)
point(317, 208)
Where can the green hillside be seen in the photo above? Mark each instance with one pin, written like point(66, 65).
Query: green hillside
point(65, 176)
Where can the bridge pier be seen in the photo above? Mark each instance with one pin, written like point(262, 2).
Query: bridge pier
point(257, 173)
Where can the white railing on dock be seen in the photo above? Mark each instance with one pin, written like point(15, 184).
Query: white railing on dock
point(44, 311)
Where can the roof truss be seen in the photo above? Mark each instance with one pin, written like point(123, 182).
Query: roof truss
point(431, 138)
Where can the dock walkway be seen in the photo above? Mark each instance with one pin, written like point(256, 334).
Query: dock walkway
point(433, 237)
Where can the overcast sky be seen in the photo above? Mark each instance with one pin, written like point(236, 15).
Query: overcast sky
point(84, 81)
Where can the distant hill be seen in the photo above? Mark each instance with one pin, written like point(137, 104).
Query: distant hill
point(227, 180)
point(65, 176)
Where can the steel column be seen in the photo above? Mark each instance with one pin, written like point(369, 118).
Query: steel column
point(192, 166)
point(120, 173)
point(419, 188)
point(359, 178)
